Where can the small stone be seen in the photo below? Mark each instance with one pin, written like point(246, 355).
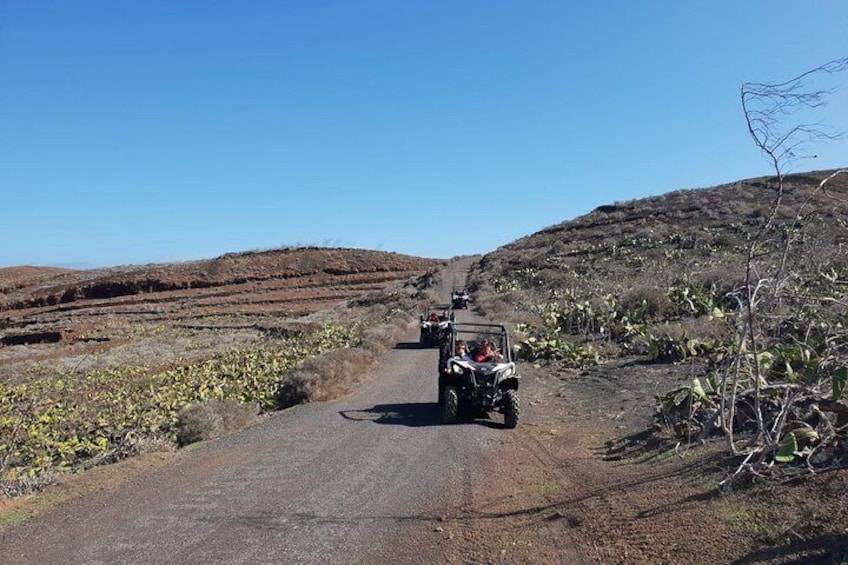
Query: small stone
point(439, 529)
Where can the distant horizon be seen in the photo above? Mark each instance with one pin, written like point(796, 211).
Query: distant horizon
point(162, 132)
point(335, 245)
point(241, 252)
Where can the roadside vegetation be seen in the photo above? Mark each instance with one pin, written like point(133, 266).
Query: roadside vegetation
point(747, 283)
point(57, 419)
point(662, 280)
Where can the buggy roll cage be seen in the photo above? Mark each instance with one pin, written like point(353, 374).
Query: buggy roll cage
point(478, 332)
point(439, 310)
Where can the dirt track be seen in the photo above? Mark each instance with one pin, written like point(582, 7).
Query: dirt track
point(375, 478)
point(320, 483)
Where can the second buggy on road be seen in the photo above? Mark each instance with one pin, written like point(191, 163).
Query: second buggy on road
point(459, 297)
point(434, 325)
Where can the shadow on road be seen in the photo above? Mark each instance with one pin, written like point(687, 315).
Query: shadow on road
point(412, 414)
point(412, 345)
point(825, 550)
point(485, 422)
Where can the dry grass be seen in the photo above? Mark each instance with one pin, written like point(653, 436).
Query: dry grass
point(648, 299)
point(333, 374)
point(214, 419)
point(27, 485)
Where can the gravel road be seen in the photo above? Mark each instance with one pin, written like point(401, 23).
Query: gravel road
point(331, 482)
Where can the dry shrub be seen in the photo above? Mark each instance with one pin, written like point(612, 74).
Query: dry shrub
point(152, 444)
point(330, 375)
point(557, 278)
point(296, 389)
point(722, 281)
point(499, 307)
point(27, 484)
point(131, 444)
point(648, 299)
point(484, 305)
point(705, 328)
point(379, 339)
point(325, 377)
point(724, 240)
point(213, 419)
point(646, 234)
point(702, 328)
point(607, 349)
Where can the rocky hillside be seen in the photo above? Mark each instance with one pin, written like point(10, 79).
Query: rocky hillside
point(699, 233)
point(26, 287)
point(745, 282)
point(56, 313)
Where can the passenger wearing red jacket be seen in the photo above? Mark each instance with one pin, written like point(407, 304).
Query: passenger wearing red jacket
point(486, 353)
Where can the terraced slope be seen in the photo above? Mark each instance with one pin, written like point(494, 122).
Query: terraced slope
point(52, 313)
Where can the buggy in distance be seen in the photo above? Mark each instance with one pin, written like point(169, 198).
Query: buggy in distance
point(460, 297)
point(434, 324)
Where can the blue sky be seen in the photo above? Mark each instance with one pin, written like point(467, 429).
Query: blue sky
point(167, 130)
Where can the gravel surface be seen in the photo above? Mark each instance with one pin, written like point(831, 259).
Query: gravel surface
point(319, 483)
point(375, 478)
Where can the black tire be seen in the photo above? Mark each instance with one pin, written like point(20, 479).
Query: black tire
point(450, 405)
point(512, 408)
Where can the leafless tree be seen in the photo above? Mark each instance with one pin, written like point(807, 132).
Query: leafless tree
point(776, 116)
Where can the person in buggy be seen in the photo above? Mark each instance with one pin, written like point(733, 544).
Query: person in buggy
point(486, 353)
point(461, 351)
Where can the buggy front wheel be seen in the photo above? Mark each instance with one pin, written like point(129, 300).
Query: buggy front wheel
point(511, 408)
point(450, 405)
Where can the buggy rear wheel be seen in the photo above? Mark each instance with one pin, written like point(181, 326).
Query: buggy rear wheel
point(450, 405)
point(512, 407)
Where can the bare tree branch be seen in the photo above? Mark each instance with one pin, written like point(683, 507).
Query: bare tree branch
point(769, 110)
point(767, 106)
